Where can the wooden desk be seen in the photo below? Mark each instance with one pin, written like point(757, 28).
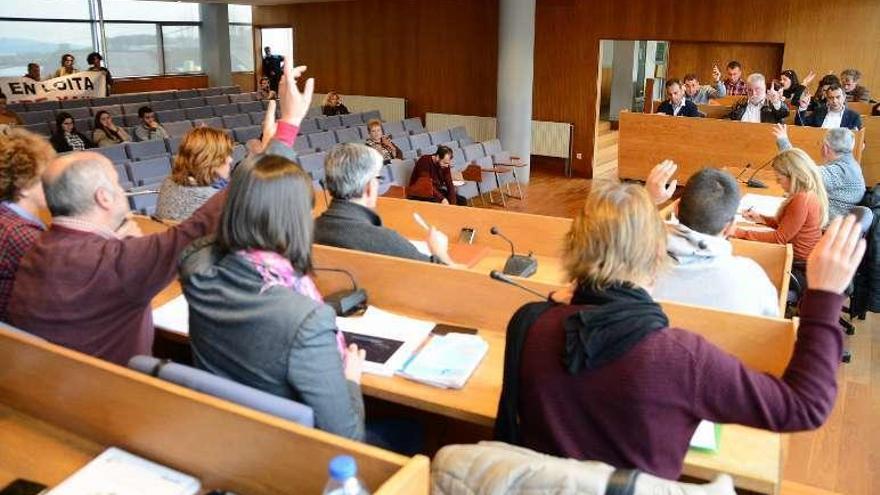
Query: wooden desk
point(646, 140)
point(60, 408)
point(871, 155)
point(715, 111)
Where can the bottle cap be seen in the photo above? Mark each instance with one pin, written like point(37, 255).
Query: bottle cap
point(343, 467)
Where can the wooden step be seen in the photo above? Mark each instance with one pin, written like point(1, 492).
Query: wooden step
point(605, 154)
point(606, 139)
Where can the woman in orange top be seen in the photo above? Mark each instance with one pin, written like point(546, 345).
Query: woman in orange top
point(803, 215)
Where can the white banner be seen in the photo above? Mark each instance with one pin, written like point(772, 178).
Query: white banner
point(87, 84)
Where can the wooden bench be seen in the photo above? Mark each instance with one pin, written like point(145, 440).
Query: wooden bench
point(871, 155)
point(60, 408)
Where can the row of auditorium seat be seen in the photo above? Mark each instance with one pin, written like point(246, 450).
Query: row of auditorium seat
point(146, 97)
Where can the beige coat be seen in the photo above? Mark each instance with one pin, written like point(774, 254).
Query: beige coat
point(496, 468)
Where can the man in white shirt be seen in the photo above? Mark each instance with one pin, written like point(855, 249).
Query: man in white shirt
point(676, 104)
point(832, 115)
point(704, 270)
point(761, 104)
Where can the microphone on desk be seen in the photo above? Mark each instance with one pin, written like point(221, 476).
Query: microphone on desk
point(744, 170)
point(140, 192)
point(517, 264)
point(346, 302)
point(753, 182)
point(496, 275)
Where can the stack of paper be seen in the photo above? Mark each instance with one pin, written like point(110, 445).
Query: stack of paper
point(759, 203)
point(120, 473)
point(447, 361)
point(706, 437)
point(389, 339)
point(173, 316)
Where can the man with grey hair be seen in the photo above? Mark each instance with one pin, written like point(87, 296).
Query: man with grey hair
point(352, 176)
point(88, 281)
point(761, 104)
point(841, 173)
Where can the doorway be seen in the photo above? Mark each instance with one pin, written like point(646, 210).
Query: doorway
point(280, 40)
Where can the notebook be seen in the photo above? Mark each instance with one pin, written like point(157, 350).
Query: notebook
point(389, 339)
point(447, 361)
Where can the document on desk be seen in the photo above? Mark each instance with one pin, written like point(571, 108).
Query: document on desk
point(447, 361)
point(173, 316)
point(759, 203)
point(389, 339)
point(707, 437)
point(120, 473)
point(422, 246)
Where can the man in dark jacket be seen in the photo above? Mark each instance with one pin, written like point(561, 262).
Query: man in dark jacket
point(272, 68)
point(676, 104)
point(761, 105)
point(352, 177)
point(832, 115)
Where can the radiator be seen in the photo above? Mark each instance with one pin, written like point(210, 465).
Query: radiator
point(548, 138)
point(392, 109)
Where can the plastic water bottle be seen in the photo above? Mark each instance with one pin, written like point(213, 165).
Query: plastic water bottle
point(343, 477)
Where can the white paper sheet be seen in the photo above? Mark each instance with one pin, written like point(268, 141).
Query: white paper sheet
point(173, 316)
point(704, 437)
point(422, 246)
point(379, 323)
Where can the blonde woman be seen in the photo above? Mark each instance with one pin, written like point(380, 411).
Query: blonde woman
point(201, 169)
point(382, 143)
point(67, 66)
point(333, 104)
point(629, 389)
point(803, 214)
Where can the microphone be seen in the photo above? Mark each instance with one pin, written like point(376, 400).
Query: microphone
point(744, 170)
point(141, 192)
point(517, 264)
point(496, 275)
point(753, 182)
point(346, 302)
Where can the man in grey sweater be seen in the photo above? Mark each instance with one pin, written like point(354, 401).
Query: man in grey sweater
point(841, 173)
point(704, 270)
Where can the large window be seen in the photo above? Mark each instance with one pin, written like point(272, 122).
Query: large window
point(137, 37)
point(241, 38)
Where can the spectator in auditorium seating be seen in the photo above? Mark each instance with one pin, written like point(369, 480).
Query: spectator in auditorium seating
point(23, 157)
point(273, 66)
point(431, 179)
point(7, 116)
point(761, 105)
point(67, 66)
point(33, 71)
point(381, 142)
point(90, 247)
point(107, 133)
point(700, 95)
point(95, 59)
point(676, 104)
point(841, 173)
point(792, 88)
point(352, 174)
point(257, 275)
point(150, 127)
point(265, 92)
point(854, 91)
point(832, 114)
point(704, 270)
point(605, 377)
point(333, 104)
point(803, 214)
point(734, 83)
point(201, 169)
point(66, 137)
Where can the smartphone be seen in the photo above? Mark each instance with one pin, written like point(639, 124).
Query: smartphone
point(23, 487)
point(467, 235)
point(443, 329)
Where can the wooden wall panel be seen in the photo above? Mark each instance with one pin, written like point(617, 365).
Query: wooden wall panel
point(159, 83)
point(698, 57)
point(832, 36)
point(245, 80)
point(440, 55)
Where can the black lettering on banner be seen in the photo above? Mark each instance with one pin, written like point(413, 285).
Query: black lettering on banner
point(60, 85)
point(89, 85)
point(30, 88)
point(16, 88)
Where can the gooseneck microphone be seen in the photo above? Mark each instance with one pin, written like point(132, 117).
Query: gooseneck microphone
point(496, 275)
point(517, 264)
point(753, 182)
point(744, 170)
point(346, 302)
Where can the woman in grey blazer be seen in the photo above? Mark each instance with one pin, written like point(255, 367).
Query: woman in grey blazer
point(255, 314)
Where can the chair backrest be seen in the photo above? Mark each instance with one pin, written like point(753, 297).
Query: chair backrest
point(186, 93)
point(428, 150)
point(132, 98)
point(145, 204)
point(76, 113)
point(146, 149)
point(420, 141)
point(131, 120)
point(122, 172)
point(103, 101)
point(329, 122)
point(162, 95)
point(228, 90)
point(239, 152)
point(458, 132)
point(38, 106)
point(250, 106)
point(37, 116)
point(351, 119)
point(209, 122)
point(864, 216)
point(246, 133)
point(166, 116)
point(191, 102)
point(116, 153)
point(322, 141)
point(393, 128)
point(440, 137)
point(242, 97)
point(158, 106)
point(172, 144)
point(223, 388)
point(257, 117)
point(41, 128)
point(210, 91)
point(414, 125)
point(199, 113)
point(132, 108)
point(492, 146)
point(177, 129)
point(308, 126)
point(151, 170)
point(348, 135)
point(370, 115)
point(77, 103)
point(239, 120)
point(217, 100)
point(226, 109)
point(112, 109)
point(313, 164)
point(403, 143)
point(473, 151)
point(362, 129)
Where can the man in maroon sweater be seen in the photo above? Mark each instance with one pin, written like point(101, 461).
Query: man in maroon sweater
point(639, 409)
point(431, 179)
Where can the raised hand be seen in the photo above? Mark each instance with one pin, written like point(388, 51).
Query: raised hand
point(716, 74)
point(780, 131)
point(805, 101)
point(833, 262)
point(354, 363)
point(659, 186)
point(774, 94)
point(294, 104)
point(807, 80)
